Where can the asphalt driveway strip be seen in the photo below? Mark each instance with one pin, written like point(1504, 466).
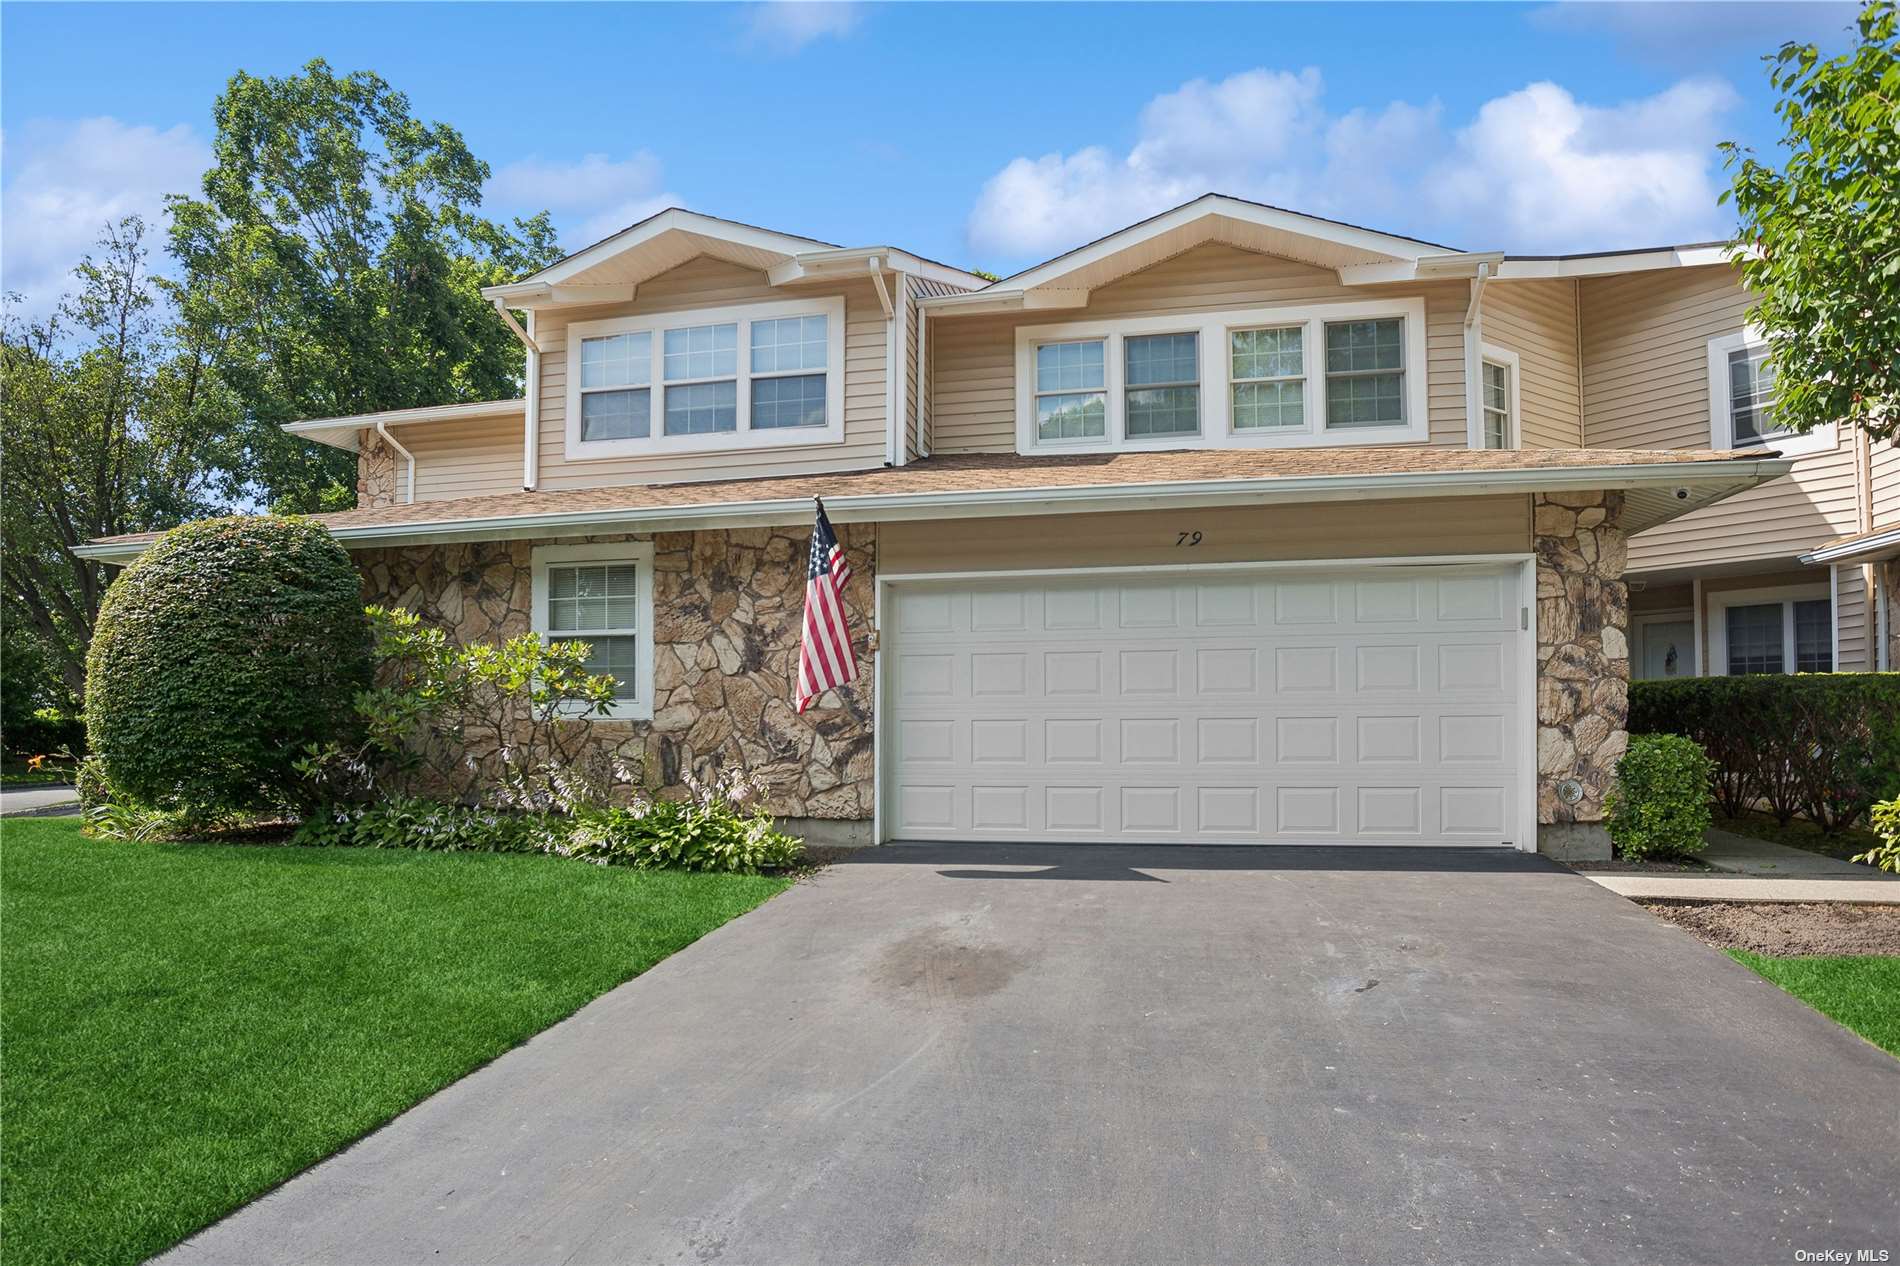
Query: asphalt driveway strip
point(1036, 1053)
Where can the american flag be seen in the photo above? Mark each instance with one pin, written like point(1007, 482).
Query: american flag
point(824, 658)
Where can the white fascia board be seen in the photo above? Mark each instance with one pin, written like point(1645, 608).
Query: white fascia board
point(1610, 265)
point(850, 262)
point(341, 432)
point(1856, 550)
point(1726, 477)
point(975, 303)
point(1450, 265)
point(1368, 240)
point(664, 222)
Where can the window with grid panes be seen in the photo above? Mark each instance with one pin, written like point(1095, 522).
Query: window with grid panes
point(598, 603)
point(1365, 373)
point(1269, 378)
point(1162, 382)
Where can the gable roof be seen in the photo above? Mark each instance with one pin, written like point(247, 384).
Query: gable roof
point(614, 267)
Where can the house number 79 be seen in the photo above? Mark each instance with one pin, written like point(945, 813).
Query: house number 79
point(1188, 539)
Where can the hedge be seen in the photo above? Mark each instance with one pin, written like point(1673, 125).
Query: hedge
point(1825, 746)
point(219, 656)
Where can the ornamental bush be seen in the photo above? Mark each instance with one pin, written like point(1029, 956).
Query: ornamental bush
point(218, 657)
point(1886, 854)
point(1659, 803)
point(1825, 746)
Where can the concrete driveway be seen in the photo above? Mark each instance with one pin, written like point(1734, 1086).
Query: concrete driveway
point(1104, 1055)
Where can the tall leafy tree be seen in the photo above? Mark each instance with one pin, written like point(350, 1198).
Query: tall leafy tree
point(112, 421)
point(1822, 231)
point(335, 264)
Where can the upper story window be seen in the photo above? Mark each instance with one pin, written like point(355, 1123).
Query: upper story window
point(1742, 399)
point(1497, 398)
point(1344, 373)
point(771, 373)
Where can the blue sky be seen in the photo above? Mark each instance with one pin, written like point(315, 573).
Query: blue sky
point(981, 134)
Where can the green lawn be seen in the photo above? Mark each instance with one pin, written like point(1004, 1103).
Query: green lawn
point(1862, 993)
point(185, 1026)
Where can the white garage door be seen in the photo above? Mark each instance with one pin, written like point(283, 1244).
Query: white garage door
point(1371, 705)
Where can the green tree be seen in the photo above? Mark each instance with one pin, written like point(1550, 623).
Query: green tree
point(335, 264)
point(1822, 231)
point(112, 421)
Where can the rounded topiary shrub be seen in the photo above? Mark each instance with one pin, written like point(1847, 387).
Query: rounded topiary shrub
point(217, 656)
point(1659, 803)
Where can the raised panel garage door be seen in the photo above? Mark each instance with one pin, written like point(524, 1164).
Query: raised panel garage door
point(1371, 705)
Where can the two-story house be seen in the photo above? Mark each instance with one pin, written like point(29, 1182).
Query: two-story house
point(1236, 525)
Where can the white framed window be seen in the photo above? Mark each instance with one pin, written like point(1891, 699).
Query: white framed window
point(601, 595)
point(1742, 399)
point(763, 374)
point(1277, 375)
point(1267, 378)
point(1498, 398)
point(1782, 630)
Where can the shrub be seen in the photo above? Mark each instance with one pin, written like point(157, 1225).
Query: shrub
point(218, 656)
point(433, 704)
point(1659, 804)
point(45, 732)
point(1823, 745)
point(427, 825)
point(1886, 854)
point(708, 832)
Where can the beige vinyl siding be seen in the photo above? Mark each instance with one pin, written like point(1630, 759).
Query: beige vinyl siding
point(1327, 530)
point(1646, 385)
point(918, 357)
point(709, 283)
point(973, 394)
point(1850, 619)
point(1886, 479)
point(1538, 321)
point(462, 459)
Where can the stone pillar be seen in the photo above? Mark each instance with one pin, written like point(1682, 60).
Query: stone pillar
point(375, 471)
point(1583, 665)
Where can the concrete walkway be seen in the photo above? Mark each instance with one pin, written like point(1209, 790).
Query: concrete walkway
point(1105, 1055)
point(33, 802)
point(1748, 869)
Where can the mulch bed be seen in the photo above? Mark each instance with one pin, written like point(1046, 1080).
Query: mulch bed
point(1621, 866)
point(1786, 929)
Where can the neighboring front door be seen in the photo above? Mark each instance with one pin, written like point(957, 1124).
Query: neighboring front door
point(1366, 705)
point(1668, 649)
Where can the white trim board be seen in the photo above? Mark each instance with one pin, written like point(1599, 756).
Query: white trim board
point(638, 553)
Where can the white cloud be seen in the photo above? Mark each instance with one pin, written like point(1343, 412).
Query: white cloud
point(1532, 170)
point(786, 26)
point(1539, 169)
point(592, 197)
point(65, 179)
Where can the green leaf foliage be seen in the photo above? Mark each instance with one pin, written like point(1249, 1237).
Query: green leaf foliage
point(1825, 746)
point(220, 655)
point(1886, 854)
point(1822, 231)
point(1659, 803)
point(335, 261)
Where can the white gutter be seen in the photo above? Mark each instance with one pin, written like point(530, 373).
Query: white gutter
point(382, 429)
point(923, 402)
point(1855, 548)
point(893, 443)
point(1059, 499)
point(531, 419)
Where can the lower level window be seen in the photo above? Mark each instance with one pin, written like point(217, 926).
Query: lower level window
point(1780, 637)
point(602, 595)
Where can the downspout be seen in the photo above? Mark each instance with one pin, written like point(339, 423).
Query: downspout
point(893, 446)
point(923, 377)
point(531, 413)
point(1474, 359)
point(382, 429)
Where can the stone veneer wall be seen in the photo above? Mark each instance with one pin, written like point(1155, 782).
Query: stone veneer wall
point(1583, 665)
point(727, 608)
point(375, 471)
